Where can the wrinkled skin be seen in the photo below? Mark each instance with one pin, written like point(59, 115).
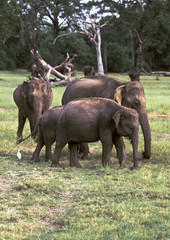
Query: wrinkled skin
point(93, 119)
point(89, 71)
point(32, 98)
point(47, 127)
point(128, 94)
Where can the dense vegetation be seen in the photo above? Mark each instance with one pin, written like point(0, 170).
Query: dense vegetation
point(27, 24)
point(92, 203)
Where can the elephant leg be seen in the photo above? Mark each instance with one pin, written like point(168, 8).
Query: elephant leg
point(84, 148)
point(120, 149)
point(106, 152)
point(106, 140)
point(21, 123)
point(48, 152)
point(73, 155)
point(56, 157)
point(36, 153)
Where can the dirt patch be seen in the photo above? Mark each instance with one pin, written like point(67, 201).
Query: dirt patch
point(7, 110)
point(159, 116)
point(162, 137)
point(4, 187)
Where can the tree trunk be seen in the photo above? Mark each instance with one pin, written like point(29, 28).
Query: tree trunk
point(55, 53)
point(161, 73)
point(132, 48)
point(55, 48)
point(99, 55)
point(137, 57)
point(105, 57)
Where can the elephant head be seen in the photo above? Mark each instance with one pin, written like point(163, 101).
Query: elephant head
point(131, 95)
point(127, 125)
point(37, 97)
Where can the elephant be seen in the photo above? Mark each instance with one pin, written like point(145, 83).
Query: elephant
point(89, 71)
point(94, 119)
point(128, 94)
point(32, 98)
point(47, 126)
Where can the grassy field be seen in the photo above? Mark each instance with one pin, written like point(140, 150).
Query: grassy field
point(92, 203)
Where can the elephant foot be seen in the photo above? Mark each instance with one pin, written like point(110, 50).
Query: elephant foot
point(85, 156)
point(134, 168)
point(75, 164)
point(105, 165)
point(55, 165)
point(19, 140)
point(47, 160)
point(146, 155)
point(124, 167)
point(35, 159)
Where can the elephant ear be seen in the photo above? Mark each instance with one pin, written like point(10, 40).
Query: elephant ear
point(24, 89)
point(116, 117)
point(118, 94)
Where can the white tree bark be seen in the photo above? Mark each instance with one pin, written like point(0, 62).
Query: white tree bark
point(98, 52)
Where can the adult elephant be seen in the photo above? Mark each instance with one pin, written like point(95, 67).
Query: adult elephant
point(92, 119)
point(32, 98)
point(128, 94)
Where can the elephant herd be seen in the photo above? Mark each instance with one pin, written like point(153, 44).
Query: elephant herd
point(93, 108)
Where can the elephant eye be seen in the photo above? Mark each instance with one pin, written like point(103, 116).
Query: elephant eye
point(131, 126)
point(136, 103)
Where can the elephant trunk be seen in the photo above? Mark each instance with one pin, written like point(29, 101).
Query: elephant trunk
point(38, 109)
point(135, 148)
point(143, 118)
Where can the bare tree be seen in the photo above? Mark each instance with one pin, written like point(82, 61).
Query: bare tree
point(92, 30)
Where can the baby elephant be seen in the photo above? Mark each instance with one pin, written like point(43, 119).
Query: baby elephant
point(47, 126)
point(93, 119)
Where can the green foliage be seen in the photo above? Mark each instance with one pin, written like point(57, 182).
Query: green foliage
point(31, 24)
point(92, 203)
point(118, 58)
point(156, 47)
point(76, 44)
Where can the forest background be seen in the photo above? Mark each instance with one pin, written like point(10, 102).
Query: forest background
point(29, 24)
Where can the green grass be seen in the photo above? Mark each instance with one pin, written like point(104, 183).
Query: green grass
point(92, 203)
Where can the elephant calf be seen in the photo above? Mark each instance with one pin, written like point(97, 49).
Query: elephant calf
point(93, 119)
point(47, 126)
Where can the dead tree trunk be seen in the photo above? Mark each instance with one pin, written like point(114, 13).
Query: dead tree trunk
point(40, 68)
point(138, 63)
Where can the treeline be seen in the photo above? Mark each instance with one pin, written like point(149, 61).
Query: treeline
point(29, 24)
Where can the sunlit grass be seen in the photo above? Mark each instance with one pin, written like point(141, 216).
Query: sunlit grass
point(92, 203)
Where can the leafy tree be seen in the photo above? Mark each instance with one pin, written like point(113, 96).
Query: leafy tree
point(139, 17)
point(55, 14)
point(9, 33)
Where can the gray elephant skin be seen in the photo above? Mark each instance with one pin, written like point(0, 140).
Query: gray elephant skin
point(93, 119)
point(47, 127)
point(128, 94)
point(32, 98)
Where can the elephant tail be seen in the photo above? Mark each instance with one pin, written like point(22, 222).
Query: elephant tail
point(31, 135)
